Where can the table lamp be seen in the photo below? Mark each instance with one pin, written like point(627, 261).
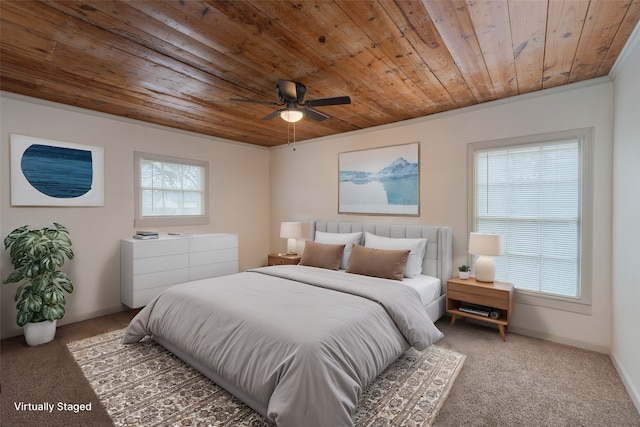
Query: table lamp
point(291, 231)
point(485, 246)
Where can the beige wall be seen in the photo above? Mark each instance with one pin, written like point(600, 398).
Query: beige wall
point(239, 200)
point(625, 349)
point(304, 185)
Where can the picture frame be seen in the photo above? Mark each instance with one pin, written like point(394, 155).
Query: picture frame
point(45, 172)
point(380, 181)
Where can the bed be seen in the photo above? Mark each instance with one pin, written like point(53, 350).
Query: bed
point(299, 343)
point(437, 264)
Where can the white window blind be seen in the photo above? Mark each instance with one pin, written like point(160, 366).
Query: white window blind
point(531, 195)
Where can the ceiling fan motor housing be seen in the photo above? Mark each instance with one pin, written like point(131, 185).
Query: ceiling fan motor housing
point(290, 92)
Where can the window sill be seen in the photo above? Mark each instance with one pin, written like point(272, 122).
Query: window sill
point(171, 221)
point(556, 303)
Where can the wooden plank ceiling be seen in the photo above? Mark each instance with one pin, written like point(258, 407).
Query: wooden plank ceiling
point(177, 63)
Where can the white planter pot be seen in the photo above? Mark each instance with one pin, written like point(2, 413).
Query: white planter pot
point(40, 333)
point(464, 274)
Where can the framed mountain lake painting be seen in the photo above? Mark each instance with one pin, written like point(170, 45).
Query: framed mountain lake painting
point(380, 181)
point(54, 173)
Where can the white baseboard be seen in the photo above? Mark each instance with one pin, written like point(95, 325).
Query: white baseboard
point(626, 380)
point(69, 318)
point(560, 340)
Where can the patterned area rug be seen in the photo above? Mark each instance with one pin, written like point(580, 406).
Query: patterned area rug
point(145, 384)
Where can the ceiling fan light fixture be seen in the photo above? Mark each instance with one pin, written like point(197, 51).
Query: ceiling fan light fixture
point(291, 116)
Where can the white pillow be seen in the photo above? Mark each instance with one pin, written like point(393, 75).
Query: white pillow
point(348, 239)
point(417, 247)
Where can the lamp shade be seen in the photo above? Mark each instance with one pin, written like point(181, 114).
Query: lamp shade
point(291, 230)
point(486, 244)
point(291, 116)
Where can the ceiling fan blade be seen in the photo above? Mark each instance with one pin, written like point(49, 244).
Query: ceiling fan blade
point(314, 115)
point(322, 102)
point(254, 101)
point(272, 115)
point(288, 89)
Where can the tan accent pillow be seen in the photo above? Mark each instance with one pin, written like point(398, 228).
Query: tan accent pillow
point(322, 255)
point(384, 263)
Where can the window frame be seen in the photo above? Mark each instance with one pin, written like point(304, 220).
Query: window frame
point(168, 220)
point(583, 303)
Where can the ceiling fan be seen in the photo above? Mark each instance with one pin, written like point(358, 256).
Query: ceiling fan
point(291, 96)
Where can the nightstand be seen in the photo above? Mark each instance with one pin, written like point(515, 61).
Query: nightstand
point(283, 259)
point(497, 295)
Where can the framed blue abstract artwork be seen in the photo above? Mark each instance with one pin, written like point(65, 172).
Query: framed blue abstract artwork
point(55, 173)
point(380, 181)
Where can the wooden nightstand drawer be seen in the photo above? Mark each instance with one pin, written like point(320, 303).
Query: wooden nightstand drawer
point(283, 259)
point(483, 296)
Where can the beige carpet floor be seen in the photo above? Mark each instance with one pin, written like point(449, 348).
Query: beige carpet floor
point(530, 382)
point(521, 382)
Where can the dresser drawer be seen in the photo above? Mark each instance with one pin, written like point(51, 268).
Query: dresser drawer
point(160, 263)
point(160, 247)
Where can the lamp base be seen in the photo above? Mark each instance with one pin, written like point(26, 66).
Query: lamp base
point(485, 269)
point(292, 247)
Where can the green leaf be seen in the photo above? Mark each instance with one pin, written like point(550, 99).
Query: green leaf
point(19, 291)
point(53, 295)
point(58, 259)
point(15, 276)
point(39, 284)
point(48, 262)
point(24, 317)
point(25, 294)
point(31, 302)
point(61, 280)
point(11, 238)
point(53, 311)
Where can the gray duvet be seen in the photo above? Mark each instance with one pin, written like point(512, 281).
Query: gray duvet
point(298, 344)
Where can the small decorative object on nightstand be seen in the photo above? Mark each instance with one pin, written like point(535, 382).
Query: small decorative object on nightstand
point(464, 271)
point(488, 302)
point(283, 259)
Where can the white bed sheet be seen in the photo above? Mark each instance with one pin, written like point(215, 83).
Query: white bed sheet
point(428, 287)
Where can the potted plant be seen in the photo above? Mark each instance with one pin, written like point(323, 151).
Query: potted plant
point(36, 256)
point(464, 271)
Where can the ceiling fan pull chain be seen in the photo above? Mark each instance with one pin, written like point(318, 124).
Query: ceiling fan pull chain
point(289, 134)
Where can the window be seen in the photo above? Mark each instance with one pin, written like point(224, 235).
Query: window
point(170, 191)
point(534, 192)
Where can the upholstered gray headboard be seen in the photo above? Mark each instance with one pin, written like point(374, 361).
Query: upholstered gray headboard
point(438, 258)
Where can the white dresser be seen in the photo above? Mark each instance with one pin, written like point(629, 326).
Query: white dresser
point(148, 267)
